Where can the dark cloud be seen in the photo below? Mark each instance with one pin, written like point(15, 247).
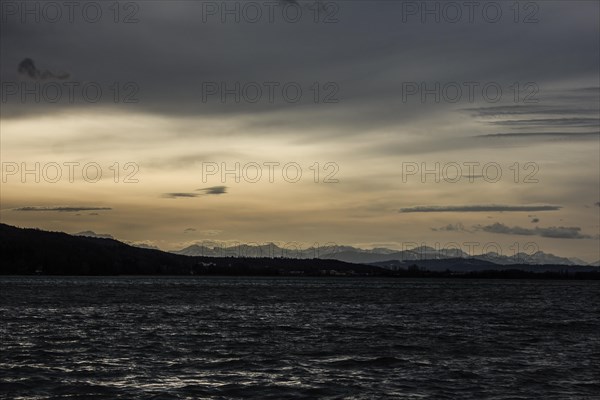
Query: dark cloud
point(27, 67)
point(597, 204)
point(180, 195)
point(214, 190)
point(478, 208)
point(557, 232)
point(188, 230)
point(535, 220)
point(62, 209)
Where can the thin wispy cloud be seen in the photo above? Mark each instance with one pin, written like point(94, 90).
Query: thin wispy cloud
point(500, 111)
point(213, 190)
point(566, 135)
point(549, 122)
point(180, 195)
point(62, 209)
point(479, 208)
point(209, 191)
point(556, 232)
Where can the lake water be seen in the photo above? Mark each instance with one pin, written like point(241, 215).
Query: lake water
point(276, 338)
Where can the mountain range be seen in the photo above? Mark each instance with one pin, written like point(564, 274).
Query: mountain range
point(33, 251)
point(377, 255)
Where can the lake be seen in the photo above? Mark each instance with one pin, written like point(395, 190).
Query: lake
point(285, 337)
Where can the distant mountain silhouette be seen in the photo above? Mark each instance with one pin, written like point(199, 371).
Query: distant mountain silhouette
point(359, 256)
point(33, 251)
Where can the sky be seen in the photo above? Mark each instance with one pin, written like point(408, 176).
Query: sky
point(363, 123)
